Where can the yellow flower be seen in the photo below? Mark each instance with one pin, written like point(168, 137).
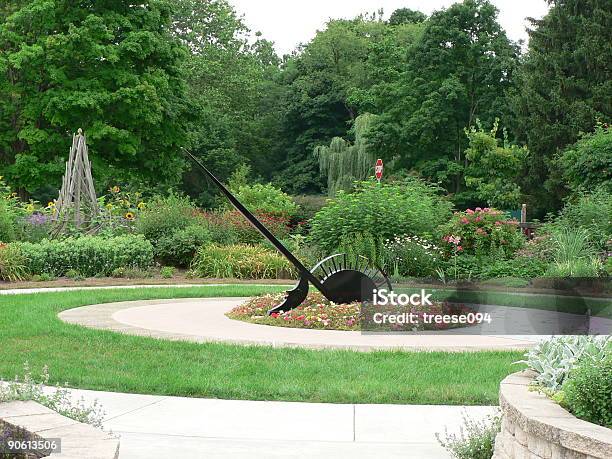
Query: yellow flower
point(51, 204)
point(115, 189)
point(141, 205)
point(129, 216)
point(29, 208)
point(125, 203)
point(109, 206)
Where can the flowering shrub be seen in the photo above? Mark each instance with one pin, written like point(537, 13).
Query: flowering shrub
point(240, 261)
point(56, 398)
point(412, 256)
point(482, 232)
point(317, 312)
point(87, 255)
point(120, 209)
point(408, 207)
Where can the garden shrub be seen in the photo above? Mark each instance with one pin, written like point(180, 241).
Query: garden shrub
point(519, 267)
point(483, 232)
point(240, 261)
point(587, 392)
point(412, 256)
point(387, 210)
point(163, 216)
point(12, 263)
point(179, 248)
point(167, 272)
point(476, 439)
point(591, 212)
point(266, 199)
point(33, 227)
point(363, 245)
point(555, 358)
point(230, 227)
point(587, 164)
point(7, 222)
point(88, 255)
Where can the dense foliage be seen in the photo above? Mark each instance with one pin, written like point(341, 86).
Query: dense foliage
point(111, 68)
point(408, 207)
point(463, 117)
point(88, 256)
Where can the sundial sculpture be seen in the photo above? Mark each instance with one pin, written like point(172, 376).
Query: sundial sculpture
point(337, 277)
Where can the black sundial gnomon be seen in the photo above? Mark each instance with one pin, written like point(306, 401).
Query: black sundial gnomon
point(340, 278)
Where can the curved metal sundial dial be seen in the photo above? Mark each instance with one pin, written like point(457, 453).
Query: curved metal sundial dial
point(337, 277)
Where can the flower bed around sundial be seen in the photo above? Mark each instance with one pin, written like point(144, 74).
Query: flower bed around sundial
point(316, 312)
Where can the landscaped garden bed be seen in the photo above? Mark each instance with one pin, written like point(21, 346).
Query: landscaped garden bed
point(316, 312)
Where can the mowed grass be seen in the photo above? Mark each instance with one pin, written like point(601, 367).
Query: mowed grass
point(102, 360)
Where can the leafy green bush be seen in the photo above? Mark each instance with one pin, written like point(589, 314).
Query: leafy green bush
point(554, 359)
point(230, 227)
point(412, 256)
point(266, 199)
point(239, 261)
point(521, 267)
point(7, 222)
point(363, 245)
point(591, 212)
point(167, 272)
point(88, 255)
point(164, 216)
point(587, 393)
point(587, 164)
point(12, 263)
point(483, 232)
point(179, 248)
point(476, 439)
point(387, 210)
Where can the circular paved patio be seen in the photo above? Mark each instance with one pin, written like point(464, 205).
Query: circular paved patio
point(203, 320)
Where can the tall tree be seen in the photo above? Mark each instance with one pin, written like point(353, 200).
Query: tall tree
point(564, 87)
point(320, 80)
point(460, 70)
point(110, 67)
point(232, 84)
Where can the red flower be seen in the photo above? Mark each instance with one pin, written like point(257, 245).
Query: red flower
point(459, 248)
point(274, 314)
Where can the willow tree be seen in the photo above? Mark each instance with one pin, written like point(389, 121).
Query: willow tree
point(344, 163)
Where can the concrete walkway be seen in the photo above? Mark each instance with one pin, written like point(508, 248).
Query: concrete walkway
point(203, 320)
point(171, 427)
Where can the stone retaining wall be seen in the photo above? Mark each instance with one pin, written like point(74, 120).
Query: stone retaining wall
point(535, 427)
point(79, 441)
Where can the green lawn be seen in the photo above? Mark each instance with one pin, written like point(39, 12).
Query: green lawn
point(102, 360)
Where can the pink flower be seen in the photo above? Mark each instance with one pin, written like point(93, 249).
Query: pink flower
point(486, 209)
point(498, 223)
point(465, 221)
point(478, 218)
point(469, 211)
point(478, 209)
point(459, 248)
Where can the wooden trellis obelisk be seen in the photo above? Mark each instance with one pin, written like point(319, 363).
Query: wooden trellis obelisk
point(77, 203)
